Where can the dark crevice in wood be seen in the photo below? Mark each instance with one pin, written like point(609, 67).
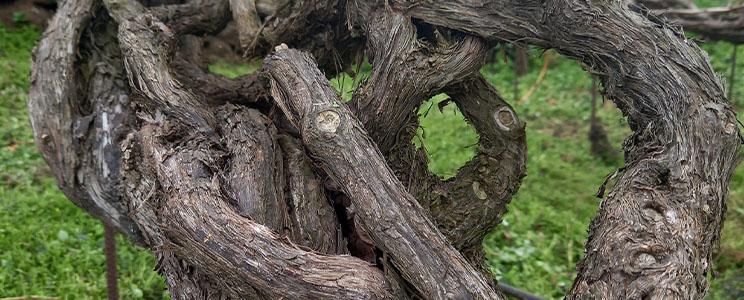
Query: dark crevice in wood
point(172, 178)
point(394, 220)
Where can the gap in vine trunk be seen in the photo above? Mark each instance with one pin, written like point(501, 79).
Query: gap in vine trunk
point(223, 55)
point(449, 140)
point(345, 83)
point(233, 70)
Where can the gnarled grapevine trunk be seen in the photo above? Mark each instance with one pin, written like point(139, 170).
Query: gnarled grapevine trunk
point(270, 186)
point(718, 23)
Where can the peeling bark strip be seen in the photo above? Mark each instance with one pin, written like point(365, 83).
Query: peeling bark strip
point(392, 217)
point(654, 234)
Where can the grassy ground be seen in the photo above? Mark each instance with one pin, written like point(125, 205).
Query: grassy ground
point(49, 247)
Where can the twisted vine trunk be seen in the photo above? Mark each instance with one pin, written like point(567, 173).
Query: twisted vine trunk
point(717, 23)
point(270, 186)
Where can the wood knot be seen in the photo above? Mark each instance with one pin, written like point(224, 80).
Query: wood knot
point(281, 46)
point(328, 121)
point(478, 190)
point(645, 260)
point(505, 118)
point(730, 128)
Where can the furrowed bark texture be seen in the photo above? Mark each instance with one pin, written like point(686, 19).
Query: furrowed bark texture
point(313, 221)
point(196, 222)
point(199, 226)
point(268, 186)
point(467, 207)
point(718, 23)
point(392, 217)
point(79, 113)
point(346, 277)
point(654, 233)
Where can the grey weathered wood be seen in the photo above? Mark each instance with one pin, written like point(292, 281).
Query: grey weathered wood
point(194, 16)
point(245, 14)
point(189, 216)
point(467, 207)
point(231, 252)
point(194, 231)
point(718, 23)
point(78, 134)
point(392, 217)
point(171, 183)
point(654, 233)
point(313, 219)
point(255, 167)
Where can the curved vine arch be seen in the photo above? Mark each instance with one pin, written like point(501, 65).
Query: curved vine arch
point(212, 176)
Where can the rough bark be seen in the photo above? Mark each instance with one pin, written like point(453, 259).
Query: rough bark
point(225, 249)
point(392, 217)
point(196, 222)
point(149, 206)
point(468, 206)
point(719, 23)
point(676, 107)
point(79, 113)
point(243, 195)
point(189, 68)
point(313, 221)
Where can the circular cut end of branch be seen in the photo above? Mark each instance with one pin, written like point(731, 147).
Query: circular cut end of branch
point(478, 190)
point(328, 121)
point(505, 118)
point(730, 128)
point(280, 47)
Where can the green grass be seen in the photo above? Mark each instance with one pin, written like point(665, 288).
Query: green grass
point(50, 247)
point(232, 70)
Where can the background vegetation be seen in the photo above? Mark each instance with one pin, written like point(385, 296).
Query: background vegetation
point(49, 247)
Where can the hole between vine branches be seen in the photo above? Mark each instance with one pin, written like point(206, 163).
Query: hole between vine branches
point(449, 140)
